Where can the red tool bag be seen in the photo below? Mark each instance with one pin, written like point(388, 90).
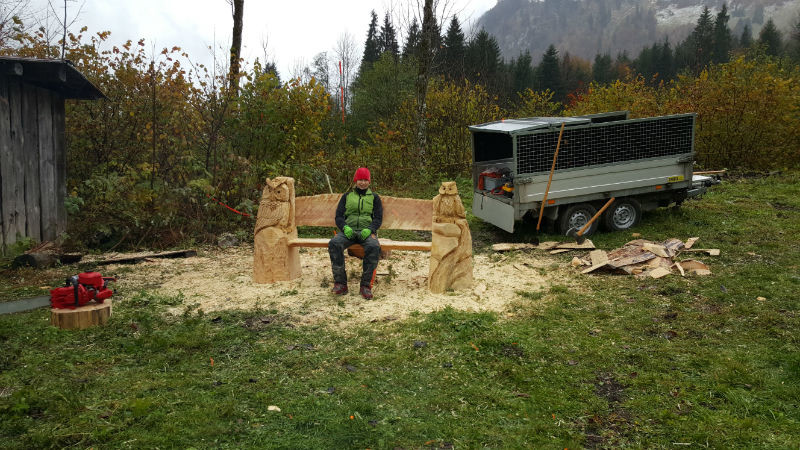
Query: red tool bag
point(81, 289)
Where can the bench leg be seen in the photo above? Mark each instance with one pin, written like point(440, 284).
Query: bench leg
point(451, 257)
point(273, 259)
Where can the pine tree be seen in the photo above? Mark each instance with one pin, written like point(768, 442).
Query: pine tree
point(483, 60)
point(722, 37)
point(522, 73)
point(794, 41)
point(454, 50)
point(601, 70)
point(664, 63)
point(747, 37)
point(372, 49)
point(548, 73)
point(387, 38)
point(703, 39)
point(411, 46)
point(771, 39)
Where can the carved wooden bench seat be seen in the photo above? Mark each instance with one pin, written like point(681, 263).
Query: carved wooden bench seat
point(276, 256)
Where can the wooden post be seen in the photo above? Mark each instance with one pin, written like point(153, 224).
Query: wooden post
point(451, 243)
point(81, 317)
point(273, 258)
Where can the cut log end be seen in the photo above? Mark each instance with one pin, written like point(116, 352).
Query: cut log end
point(81, 317)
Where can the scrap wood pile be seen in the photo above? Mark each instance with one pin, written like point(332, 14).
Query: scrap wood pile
point(648, 259)
point(639, 257)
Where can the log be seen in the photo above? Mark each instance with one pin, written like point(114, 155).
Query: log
point(81, 317)
point(138, 259)
point(37, 260)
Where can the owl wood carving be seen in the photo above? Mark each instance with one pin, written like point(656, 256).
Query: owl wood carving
point(276, 208)
point(451, 246)
point(447, 206)
point(273, 259)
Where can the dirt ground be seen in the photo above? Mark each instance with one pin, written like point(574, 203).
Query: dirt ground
point(222, 279)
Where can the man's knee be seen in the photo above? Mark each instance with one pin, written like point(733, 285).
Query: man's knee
point(336, 243)
point(371, 245)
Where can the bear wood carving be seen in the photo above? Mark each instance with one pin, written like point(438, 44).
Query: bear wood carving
point(273, 259)
point(451, 246)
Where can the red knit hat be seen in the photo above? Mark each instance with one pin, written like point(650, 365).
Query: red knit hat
point(361, 174)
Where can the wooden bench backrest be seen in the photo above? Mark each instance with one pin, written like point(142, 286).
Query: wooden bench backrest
point(398, 213)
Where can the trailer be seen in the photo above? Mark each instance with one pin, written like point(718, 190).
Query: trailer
point(644, 163)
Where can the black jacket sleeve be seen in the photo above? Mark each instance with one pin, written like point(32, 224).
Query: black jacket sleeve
point(377, 213)
point(339, 219)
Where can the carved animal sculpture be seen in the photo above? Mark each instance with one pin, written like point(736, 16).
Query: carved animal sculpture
point(447, 206)
point(273, 260)
point(451, 246)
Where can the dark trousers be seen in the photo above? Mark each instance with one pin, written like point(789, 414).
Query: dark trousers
point(372, 252)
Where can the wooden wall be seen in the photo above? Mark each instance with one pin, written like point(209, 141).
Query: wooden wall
point(32, 162)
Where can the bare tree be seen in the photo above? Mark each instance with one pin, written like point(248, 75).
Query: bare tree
point(431, 14)
point(346, 52)
point(64, 22)
point(237, 11)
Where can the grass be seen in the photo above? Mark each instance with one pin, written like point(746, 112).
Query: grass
point(619, 362)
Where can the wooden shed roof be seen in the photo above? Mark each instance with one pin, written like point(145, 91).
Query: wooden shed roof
point(53, 74)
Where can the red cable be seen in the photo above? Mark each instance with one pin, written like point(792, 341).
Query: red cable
point(223, 204)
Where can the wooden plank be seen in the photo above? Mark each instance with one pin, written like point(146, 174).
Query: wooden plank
point(30, 148)
point(398, 213)
point(5, 158)
point(47, 165)
point(505, 247)
point(17, 166)
point(60, 154)
point(386, 244)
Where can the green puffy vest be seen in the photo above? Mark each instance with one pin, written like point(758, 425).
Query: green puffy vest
point(358, 210)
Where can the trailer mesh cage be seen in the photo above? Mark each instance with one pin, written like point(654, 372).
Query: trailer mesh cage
point(605, 143)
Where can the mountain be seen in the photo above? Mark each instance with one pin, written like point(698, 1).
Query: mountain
point(587, 27)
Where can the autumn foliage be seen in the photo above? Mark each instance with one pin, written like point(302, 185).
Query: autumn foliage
point(144, 164)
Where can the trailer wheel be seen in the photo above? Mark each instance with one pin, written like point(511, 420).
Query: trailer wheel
point(624, 214)
point(576, 216)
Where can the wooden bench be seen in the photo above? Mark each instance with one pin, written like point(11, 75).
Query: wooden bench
point(398, 214)
point(276, 256)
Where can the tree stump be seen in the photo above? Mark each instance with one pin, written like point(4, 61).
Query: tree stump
point(81, 317)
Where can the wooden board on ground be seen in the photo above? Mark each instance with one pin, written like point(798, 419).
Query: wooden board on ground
point(690, 242)
point(586, 245)
point(708, 251)
point(140, 258)
point(81, 317)
point(398, 213)
point(505, 247)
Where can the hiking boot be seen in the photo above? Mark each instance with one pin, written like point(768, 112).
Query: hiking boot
point(365, 292)
point(339, 289)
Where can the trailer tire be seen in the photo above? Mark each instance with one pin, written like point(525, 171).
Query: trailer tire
point(576, 216)
point(624, 214)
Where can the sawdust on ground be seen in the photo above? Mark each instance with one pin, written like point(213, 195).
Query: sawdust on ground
point(222, 279)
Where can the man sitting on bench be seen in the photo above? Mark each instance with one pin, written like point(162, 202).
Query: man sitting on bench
point(358, 216)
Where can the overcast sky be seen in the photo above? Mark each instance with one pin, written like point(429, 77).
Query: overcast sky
point(294, 30)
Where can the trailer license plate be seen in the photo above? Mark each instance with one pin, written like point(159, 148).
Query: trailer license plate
point(675, 179)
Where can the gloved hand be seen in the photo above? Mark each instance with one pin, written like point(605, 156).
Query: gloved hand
point(365, 233)
point(348, 232)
